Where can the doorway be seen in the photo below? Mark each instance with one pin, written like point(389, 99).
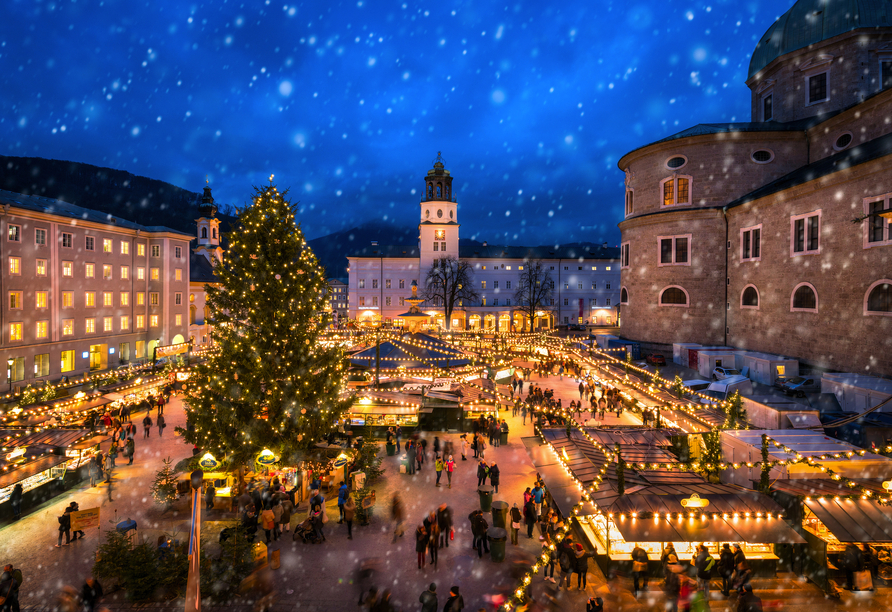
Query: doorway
point(98, 357)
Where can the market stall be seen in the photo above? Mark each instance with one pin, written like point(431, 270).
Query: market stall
point(382, 410)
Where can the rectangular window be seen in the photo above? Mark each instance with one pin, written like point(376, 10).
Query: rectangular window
point(362, 300)
point(178, 319)
point(108, 324)
point(141, 250)
point(40, 237)
point(125, 298)
point(42, 365)
point(630, 201)
point(877, 230)
point(125, 272)
point(106, 245)
point(580, 286)
point(140, 349)
point(68, 299)
point(90, 299)
point(125, 323)
point(140, 274)
point(66, 240)
point(677, 191)
point(566, 302)
point(387, 284)
point(125, 247)
point(14, 233)
point(178, 252)
point(607, 268)
point(140, 323)
point(624, 255)
point(675, 250)
point(156, 250)
point(594, 301)
point(41, 267)
point(68, 268)
point(374, 300)
point(594, 285)
point(806, 234)
point(374, 283)
point(436, 246)
point(15, 265)
point(607, 286)
point(154, 274)
point(402, 284)
point(495, 284)
point(140, 298)
point(817, 88)
point(15, 300)
point(508, 285)
point(362, 283)
point(402, 301)
point(89, 243)
point(483, 284)
point(90, 325)
point(15, 332)
point(178, 299)
point(443, 246)
point(67, 361)
point(552, 301)
point(43, 330)
point(153, 298)
point(566, 285)
point(153, 320)
point(767, 108)
point(40, 299)
point(89, 270)
point(67, 327)
point(108, 298)
point(495, 301)
point(388, 301)
point(106, 272)
point(178, 274)
point(751, 243)
point(608, 301)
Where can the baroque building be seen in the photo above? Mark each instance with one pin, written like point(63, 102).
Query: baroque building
point(769, 235)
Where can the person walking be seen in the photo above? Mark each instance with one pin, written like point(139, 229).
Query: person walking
point(481, 473)
point(349, 511)
point(538, 495)
point(516, 520)
point(64, 527)
point(130, 450)
point(450, 467)
point(726, 568)
point(704, 564)
point(397, 515)
point(529, 517)
point(287, 509)
point(639, 570)
point(161, 424)
point(268, 523)
point(421, 541)
point(494, 476)
point(478, 529)
point(464, 447)
point(438, 466)
point(434, 541)
point(455, 603)
point(146, 425)
point(428, 599)
point(318, 522)
point(343, 493)
point(90, 594)
point(15, 498)
point(419, 454)
point(444, 522)
point(566, 563)
point(548, 564)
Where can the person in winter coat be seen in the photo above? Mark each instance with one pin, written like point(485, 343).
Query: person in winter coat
point(434, 542)
point(64, 527)
point(672, 586)
point(478, 530)
point(639, 569)
point(494, 476)
point(130, 450)
point(704, 564)
point(90, 594)
point(529, 517)
point(748, 602)
point(317, 520)
point(209, 494)
point(268, 523)
point(444, 522)
point(464, 448)
point(15, 499)
point(455, 603)
point(397, 515)
point(146, 425)
point(516, 521)
point(852, 562)
point(419, 455)
point(567, 563)
point(349, 512)
point(664, 558)
point(287, 509)
point(343, 493)
point(277, 517)
point(580, 566)
point(438, 467)
point(450, 467)
point(428, 599)
point(161, 423)
point(548, 565)
point(9, 590)
point(481, 473)
point(421, 541)
point(742, 576)
point(726, 568)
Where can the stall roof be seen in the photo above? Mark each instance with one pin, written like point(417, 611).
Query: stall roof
point(386, 397)
point(85, 405)
point(382, 409)
point(18, 474)
point(816, 487)
point(854, 520)
point(61, 438)
point(804, 442)
point(631, 435)
point(754, 531)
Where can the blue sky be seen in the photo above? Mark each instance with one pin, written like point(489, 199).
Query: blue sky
point(348, 103)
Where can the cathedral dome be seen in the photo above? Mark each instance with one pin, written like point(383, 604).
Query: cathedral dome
point(811, 21)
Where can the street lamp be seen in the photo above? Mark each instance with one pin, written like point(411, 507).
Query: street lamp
point(9, 363)
point(193, 595)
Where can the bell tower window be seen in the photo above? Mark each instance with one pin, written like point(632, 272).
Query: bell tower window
point(204, 232)
point(439, 190)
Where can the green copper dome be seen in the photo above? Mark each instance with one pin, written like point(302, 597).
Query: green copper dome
point(811, 21)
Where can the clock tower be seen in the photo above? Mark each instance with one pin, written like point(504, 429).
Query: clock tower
point(438, 229)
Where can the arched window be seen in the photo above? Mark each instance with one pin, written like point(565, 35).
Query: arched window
point(674, 296)
point(439, 190)
point(215, 233)
point(878, 299)
point(193, 311)
point(750, 297)
point(623, 296)
point(804, 298)
point(676, 190)
point(204, 232)
point(447, 192)
point(430, 191)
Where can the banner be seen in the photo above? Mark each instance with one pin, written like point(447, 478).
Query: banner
point(172, 349)
point(85, 519)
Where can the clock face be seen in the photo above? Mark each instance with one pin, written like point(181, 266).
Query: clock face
point(439, 213)
point(427, 214)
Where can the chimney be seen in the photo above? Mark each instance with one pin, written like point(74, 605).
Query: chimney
point(375, 243)
point(484, 243)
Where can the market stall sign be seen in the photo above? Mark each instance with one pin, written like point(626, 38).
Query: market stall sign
point(368, 501)
point(887, 484)
point(694, 501)
point(172, 349)
point(266, 457)
point(208, 462)
point(341, 460)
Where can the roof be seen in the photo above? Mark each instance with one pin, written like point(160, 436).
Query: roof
point(855, 156)
point(64, 209)
point(387, 250)
point(860, 381)
point(201, 270)
point(854, 520)
point(586, 251)
point(811, 21)
point(411, 351)
point(806, 443)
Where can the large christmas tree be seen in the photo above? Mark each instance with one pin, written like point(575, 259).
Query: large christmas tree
point(271, 384)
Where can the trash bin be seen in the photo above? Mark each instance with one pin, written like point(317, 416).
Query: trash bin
point(497, 538)
point(503, 436)
point(499, 514)
point(485, 497)
point(391, 449)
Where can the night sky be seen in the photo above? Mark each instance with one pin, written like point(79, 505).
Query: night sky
point(347, 103)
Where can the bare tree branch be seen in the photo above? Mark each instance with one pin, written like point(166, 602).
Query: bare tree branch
point(449, 283)
point(535, 289)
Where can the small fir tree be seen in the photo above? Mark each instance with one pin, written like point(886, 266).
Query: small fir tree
point(678, 387)
point(712, 454)
point(164, 488)
point(628, 360)
point(271, 383)
point(736, 413)
point(620, 471)
point(764, 480)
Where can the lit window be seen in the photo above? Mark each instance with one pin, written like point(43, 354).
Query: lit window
point(68, 299)
point(67, 327)
point(374, 300)
point(361, 300)
point(90, 325)
point(40, 237)
point(41, 267)
point(402, 284)
point(125, 247)
point(89, 270)
point(108, 298)
point(607, 268)
point(14, 233)
point(386, 285)
point(156, 250)
point(68, 268)
point(15, 332)
point(106, 245)
point(140, 323)
point(40, 299)
point(125, 323)
point(154, 274)
point(125, 298)
point(676, 191)
point(483, 284)
point(805, 236)
point(15, 300)
point(751, 243)
point(362, 283)
point(106, 272)
point(67, 361)
point(675, 250)
point(178, 319)
point(153, 298)
point(108, 324)
point(140, 299)
point(15, 265)
point(878, 230)
point(178, 274)
point(66, 240)
point(140, 274)
point(125, 272)
point(153, 321)
point(89, 243)
point(90, 299)
point(141, 250)
point(388, 301)
point(43, 330)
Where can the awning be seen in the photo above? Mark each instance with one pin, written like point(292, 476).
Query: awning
point(379, 409)
point(27, 470)
point(804, 420)
point(854, 520)
point(765, 531)
point(754, 531)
